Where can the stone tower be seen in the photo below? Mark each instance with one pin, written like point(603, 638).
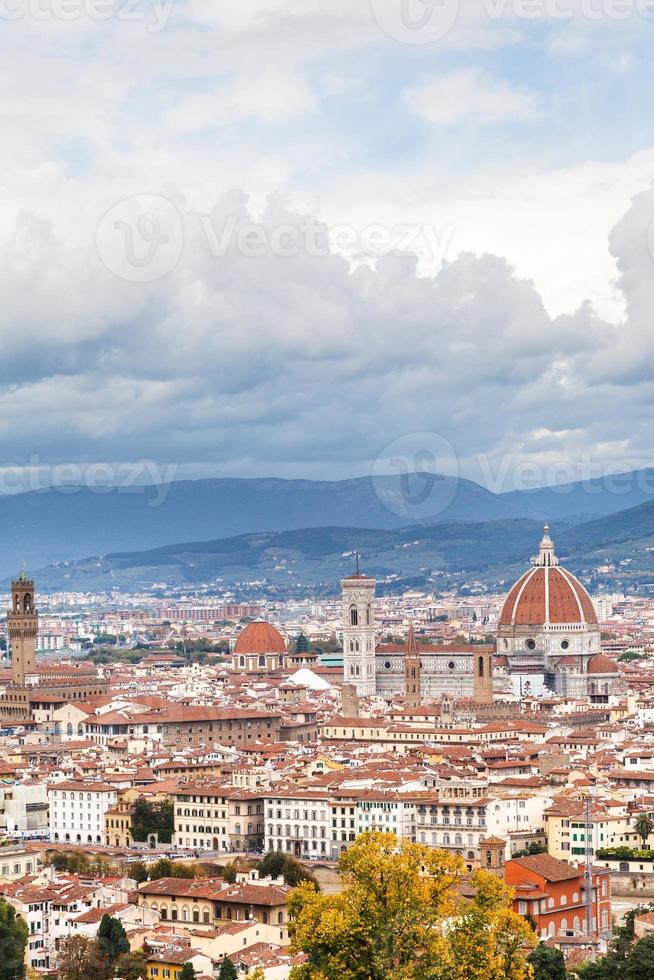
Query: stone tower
point(22, 627)
point(492, 855)
point(483, 675)
point(359, 642)
point(412, 693)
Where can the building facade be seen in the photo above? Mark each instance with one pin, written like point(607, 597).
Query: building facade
point(419, 672)
point(78, 810)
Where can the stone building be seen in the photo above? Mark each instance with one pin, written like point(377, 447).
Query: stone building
point(419, 671)
point(548, 635)
point(35, 692)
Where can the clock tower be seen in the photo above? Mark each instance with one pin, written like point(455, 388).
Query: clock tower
point(359, 642)
point(22, 628)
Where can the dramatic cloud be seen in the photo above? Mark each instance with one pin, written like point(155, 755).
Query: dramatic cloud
point(276, 237)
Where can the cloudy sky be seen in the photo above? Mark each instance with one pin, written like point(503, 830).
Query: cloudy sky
point(315, 237)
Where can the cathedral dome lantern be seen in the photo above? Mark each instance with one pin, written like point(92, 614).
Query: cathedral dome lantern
point(548, 594)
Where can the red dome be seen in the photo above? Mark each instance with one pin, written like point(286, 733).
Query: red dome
point(260, 637)
point(550, 594)
point(601, 664)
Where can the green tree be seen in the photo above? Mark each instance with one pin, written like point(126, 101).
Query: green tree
point(276, 863)
point(112, 938)
point(640, 962)
point(163, 868)
point(644, 826)
point(547, 963)
point(132, 966)
point(227, 970)
point(13, 942)
point(302, 644)
point(153, 818)
point(187, 972)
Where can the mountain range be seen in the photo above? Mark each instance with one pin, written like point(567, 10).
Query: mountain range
point(314, 559)
point(69, 523)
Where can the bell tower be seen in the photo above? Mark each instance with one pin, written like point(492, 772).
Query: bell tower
point(358, 593)
point(412, 693)
point(22, 628)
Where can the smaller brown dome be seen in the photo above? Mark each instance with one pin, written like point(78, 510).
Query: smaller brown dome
point(601, 664)
point(260, 637)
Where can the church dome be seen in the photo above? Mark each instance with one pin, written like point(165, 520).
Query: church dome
point(547, 593)
point(260, 637)
point(601, 664)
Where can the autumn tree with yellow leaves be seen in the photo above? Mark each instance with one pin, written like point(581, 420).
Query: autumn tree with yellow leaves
point(401, 916)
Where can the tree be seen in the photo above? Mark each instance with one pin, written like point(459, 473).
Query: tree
point(81, 959)
point(547, 963)
point(258, 974)
point(153, 818)
point(112, 938)
point(640, 962)
point(227, 970)
point(398, 916)
point(13, 942)
point(229, 872)
point(302, 644)
point(276, 863)
point(163, 868)
point(187, 972)
point(487, 938)
point(132, 966)
point(644, 826)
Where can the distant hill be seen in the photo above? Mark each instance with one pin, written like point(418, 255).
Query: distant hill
point(494, 552)
point(68, 524)
point(313, 557)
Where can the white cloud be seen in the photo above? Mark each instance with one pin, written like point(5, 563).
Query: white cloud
point(471, 96)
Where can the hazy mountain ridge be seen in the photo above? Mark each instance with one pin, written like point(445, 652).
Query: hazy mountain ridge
point(67, 524)
point(494, 552)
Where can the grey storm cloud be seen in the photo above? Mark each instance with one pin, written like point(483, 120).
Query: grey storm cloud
point(293, 363)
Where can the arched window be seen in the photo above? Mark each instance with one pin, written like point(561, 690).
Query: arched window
point(262, 661)
point(354, 616)
point(368, 615)
point(481, 666)
point(241, 661)
point(563, 900)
